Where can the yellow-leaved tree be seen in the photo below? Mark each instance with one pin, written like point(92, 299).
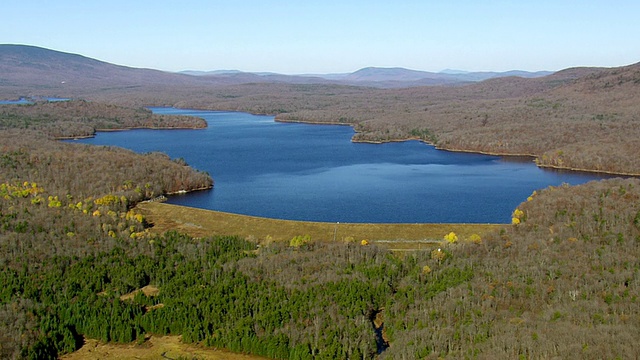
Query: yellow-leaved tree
point(517, 217)
point(451, 237)
point(300, 240)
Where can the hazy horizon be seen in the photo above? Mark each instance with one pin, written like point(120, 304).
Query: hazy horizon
point(287, 37)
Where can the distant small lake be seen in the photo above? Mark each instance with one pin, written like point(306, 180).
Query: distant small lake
point(314, 172)
point(19, 101)
point(23, 101)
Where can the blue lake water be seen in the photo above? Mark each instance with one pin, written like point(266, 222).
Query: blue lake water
point(20, 101)
point(314, 172)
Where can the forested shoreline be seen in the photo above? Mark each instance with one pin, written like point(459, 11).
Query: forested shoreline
point(578, 118)
point(80, 118)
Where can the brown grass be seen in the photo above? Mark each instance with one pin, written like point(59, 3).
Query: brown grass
point(202, 223)
point(154, 347)
point(149, 290)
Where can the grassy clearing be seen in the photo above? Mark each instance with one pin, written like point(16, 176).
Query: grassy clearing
point(154, 347)
point(149, 290)
point(201, 223)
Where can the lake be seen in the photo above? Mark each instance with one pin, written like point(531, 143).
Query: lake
point(24, 101)
point(314, 172)
point(20, 101)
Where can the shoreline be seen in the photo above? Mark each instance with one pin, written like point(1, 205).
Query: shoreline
point(613, 173)
point(204, 222)
point(126, 129)
point(182, 192)
point(275, 118)
point(533, 157)
point(153, 128)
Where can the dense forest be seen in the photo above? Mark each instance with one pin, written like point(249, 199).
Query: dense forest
point(561, 281)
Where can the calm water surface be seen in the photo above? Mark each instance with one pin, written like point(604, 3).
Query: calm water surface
point(314, 172)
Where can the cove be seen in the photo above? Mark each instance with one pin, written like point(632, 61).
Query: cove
point(315, 173)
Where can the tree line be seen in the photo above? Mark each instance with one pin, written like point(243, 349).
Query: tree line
point(80, 118)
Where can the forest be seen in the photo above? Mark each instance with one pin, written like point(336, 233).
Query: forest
point(561, 281)
point(79, 118)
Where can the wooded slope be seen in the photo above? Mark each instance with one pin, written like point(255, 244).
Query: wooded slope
point(563, 281)
point(78, 118)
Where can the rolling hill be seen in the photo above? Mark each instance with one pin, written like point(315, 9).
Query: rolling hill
point(578, 118)
point(32, 67)
point(378, 77)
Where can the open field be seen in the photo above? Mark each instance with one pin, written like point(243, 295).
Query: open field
point(201, 223)
point(154, 347)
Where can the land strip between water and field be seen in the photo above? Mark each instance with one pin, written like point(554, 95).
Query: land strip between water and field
point(202, 223)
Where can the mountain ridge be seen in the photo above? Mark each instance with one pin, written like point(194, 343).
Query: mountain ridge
point(384, 77)
point(37, 66)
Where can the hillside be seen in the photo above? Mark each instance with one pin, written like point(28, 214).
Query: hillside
point(562, 281)
point(79, 118)
point(401, 77)
point(30, 70)
point(36, 68)
point(579, 118)
point(26, 65)
point(377, 77)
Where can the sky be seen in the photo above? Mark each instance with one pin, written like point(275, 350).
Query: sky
point(327, 36)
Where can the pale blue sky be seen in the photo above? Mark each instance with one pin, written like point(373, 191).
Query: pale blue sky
point(295, 37)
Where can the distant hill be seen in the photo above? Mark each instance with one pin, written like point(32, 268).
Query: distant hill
point(32, 71)
point(394, 77)
point(205, 73)
point(402, 76)
point(21, 64)
point(35, 68)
